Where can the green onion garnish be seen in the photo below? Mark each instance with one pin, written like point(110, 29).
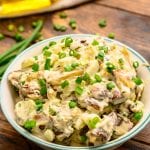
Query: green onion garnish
point(64, 84)
point(102, 23)
point(78, 80)
point(111, 35)
point(61, 55)
point(135, 64)
point(137, 80)
point(94, 43)
point(47, 53)
point(83, 138)
point(110, 67)
point(47, 65)
point(79, 90)
point(92, 123)
point(97, 78)
point(35, 67)
point(39, 104)
point(100, 56)
point(11, 27)
point(42, 83)
point(29, 124)
point(110, 86)
point(138, 115)
point(68, 41)
point(21, 28)
point(104, 48)
point(52, 43)
point(63, 15)
point(72, 104)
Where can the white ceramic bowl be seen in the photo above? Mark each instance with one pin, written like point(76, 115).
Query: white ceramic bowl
point(7, 96)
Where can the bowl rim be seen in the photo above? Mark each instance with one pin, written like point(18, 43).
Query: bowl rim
point(42, 142)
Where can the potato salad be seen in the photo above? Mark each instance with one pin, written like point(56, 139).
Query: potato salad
point(78, 92)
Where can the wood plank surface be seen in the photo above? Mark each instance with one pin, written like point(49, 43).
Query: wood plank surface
point(131, 26)
point(136, 6)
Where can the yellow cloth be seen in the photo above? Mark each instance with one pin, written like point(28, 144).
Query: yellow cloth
point(12, 7)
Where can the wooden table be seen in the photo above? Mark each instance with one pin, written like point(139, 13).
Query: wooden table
point(129, 19)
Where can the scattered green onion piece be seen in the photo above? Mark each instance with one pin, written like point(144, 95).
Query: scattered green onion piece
point(52, 43)
point(11, 27)
point(92, 123)
point(78, 80)
point(102, 23)
point(79, 90)
point(110, 67)
point(100, 56)
point(73, 23)
point(63, 15)
point(110, 86)
point(74, 53)
point(29, 124)
point(97, 78)
point(74, 65)
point(72, 104)
point(36, 57)
point(135, 64)
point(68, 68)
point(52, 111)
point(137, 80)
point(56, 27)
point(64, 84)
point(39, 104)
point(111, 35)
point(18, 37)
point(1, 36)
point(21, 28)
point(47, 53)
point(47, 65)
point(45, 48)
point(34, 24)
point(138, 115)
point(63, 28)
point(86, 77)
point(43, 90)
point(121, 61)
point(61, 55)
point(104, 48)
point(68, 41)
point(94, 43)
point(35, 67)
point(83, 138)
point(73, 26)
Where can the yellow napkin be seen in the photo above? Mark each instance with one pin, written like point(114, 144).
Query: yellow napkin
point(13, 7)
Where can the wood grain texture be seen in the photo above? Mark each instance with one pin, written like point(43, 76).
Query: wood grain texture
point(136, 6)
point(132, 29)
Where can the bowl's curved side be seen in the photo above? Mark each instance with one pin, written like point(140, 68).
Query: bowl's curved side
point(7, 105)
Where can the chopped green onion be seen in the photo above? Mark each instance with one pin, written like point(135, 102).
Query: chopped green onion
point(111, 35)
point(1, 36)
point(100, 56)
point(102, 23)
point(138, 115)
point(36, 57)
point(61, 55)
point(52, 43)
point(72, 104)
point(43, 90)
point(63, 28)
point(29, 124)
point(11, 27)
point(45, 48)
point(135, 64)
point(121, 61)
point(47, 53)
point(35, 67)
point(74, 65)
point(98, 78)
point(68, 68)
point(86, 77)
point(92, 123)
point(78, 80)
point(137, 80)
point(94, 43)
point(73, 23)
point(63, 15)
point(104, 48)
point(74, 53)
point(21, 28)
point(110, 86)
point(79, 90)
point(110, 67)
point(18, 37)
point(39, 104)
point(68, 41)
point(64, 84)
point(47, 65)
point(56, 27)
point(83, 138)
